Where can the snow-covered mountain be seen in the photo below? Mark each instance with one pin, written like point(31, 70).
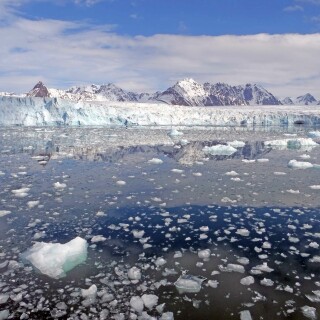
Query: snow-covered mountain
point(190, 93)
point(186, 92)
point(306, 99)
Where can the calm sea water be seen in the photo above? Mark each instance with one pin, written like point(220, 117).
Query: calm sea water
point(257, 216)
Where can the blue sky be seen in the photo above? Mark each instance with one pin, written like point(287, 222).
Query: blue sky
point(190, 17)
point(147, 45)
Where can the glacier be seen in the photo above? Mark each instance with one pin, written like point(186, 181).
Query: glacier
point(34, 111)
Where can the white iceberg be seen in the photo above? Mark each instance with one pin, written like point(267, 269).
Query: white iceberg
point(297, 143)
point(314, 134)
point(56, 259)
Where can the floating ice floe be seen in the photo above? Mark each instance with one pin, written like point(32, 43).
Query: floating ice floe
point(55, 259)
point(32, 204)
point(4, 314)
point(134, 273)
point(309, 312)
point(204, 254)
point(58, 185)
point(299, 164)
point(98, 238)
point(298, 143)
point(20, 193)
point(231, 173)
point(121, 183)
point(149, 300)
point(315, 187)
point(314, 134)
point(245, 315)
point(4, 213)
point(236, 144)
point(155, 161)
point(247, 281)
point(189, 283)
point(219, 150)
point(136, 303)
point(266, 282)
point(175, 132)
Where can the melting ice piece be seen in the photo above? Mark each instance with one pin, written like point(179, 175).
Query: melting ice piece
point(291, 143)
point(155, 161)
point(314, 134)
point(55, 259)
point(309, 312)
point(149, 300)
point(189, 283)
point(245, 315)
point(4, 212)
point(299, 164)
point(219, 150)
point(175, 132)
point(136, 304)
point(134, 273)
point(236, 144)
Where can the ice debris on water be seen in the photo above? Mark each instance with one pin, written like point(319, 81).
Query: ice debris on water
point(299, 164)
point(134, 273)
point(314, 134)
point(247, 281)
point(219, 150)
point(58, 185)
point(189, 283)
point(155, 161)
point(4, 213)
point(55, 259)
point(245, 315)
point(175, 132)
point(309, 312)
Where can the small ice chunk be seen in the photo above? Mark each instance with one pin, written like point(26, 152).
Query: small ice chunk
point(204, 254)
point(150, 300)
point(167, 316)
point(243, 232)
point(231, 173)
point(58, 185)
point(309, 312)
point(90, 292)
point(155, 161)
point(98, 238)
point(219, 150)
point(189, 283)
point(3, 298)
point(266, 282)
point(315, 187)
point(21, 193)
point(55, 259)
point(134, 273)
point(299, 164)
point(32, 204)
point(245, 315)
point(314, 134)
point(4, 213)
point(121, 183)
point(136, 303)
point(4, 314)
point(231, 267)
point(175, 132)
point(247, 281)
point(213, 284)
point(138, 233)
point(236, 144)
point(160, 262)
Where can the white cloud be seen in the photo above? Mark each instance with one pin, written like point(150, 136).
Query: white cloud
point(63, 53)
point(293, 8)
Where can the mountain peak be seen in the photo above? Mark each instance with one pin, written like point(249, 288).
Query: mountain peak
point(39, 90)
point(306, 99)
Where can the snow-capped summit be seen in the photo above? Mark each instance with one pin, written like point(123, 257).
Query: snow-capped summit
point(185, 92)
point(306, 99)
point(287, 101)
point(190, 93)
point(39, 90)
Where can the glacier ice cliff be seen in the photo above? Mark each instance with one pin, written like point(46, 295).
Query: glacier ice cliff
point(34, 111)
